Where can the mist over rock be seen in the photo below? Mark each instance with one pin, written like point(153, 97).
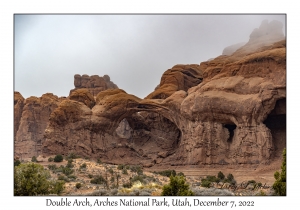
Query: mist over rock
point(267, 34)
point(232, 48)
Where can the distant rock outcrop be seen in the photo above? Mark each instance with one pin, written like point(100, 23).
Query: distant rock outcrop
point(94, 83)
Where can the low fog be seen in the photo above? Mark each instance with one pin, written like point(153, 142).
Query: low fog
point(134, 50)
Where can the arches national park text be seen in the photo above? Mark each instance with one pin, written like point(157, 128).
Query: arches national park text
point(91, 202)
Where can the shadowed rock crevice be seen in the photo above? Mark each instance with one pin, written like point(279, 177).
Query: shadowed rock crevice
point(231, 128)
point(276, 122)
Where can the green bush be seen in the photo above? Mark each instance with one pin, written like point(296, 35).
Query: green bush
point(99, 179)
point(124, 171)
point(32, 179)
point(63, 178)
point(78, 185)
point(279, 185)
point(120, 167)
point(72, 155)
point(50, 159)
point(83, 166)
point(52, 167)
point(167, 173)
point(58, 158)
point(137, 169)
point(69, 164)
point(127, 185)
point(17, 162)
point(111, 171)
point(205, 183)
point(33, 159)
point(177, 187)
point(221, 176)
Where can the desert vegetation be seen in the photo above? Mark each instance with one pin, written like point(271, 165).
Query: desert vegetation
point(72, 175)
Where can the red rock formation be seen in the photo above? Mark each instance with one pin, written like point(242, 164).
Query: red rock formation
point(94, 83)
point(179, 77)
point(229, 110)
point(32, 124)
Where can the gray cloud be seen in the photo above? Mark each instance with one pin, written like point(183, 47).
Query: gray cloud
point(134, 50)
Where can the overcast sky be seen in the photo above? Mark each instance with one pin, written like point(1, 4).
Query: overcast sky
point(134, 50)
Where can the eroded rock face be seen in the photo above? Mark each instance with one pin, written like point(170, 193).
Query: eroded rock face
point(94, 83)
point(33, 122)
point(179, 77)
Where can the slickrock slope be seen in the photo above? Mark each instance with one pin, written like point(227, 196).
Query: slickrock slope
point(94, 84)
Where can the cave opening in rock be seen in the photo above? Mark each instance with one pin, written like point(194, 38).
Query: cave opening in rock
point(276, 122)
point(149, 132)
point(231, 128)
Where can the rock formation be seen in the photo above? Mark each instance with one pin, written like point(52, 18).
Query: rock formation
point(229, 110)
point(31, 120)
point(94, 84)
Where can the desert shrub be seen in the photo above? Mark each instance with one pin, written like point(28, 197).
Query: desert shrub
point(213, 179)
point(33, 159)
point(127, 185)
point(57, 187)
point(177, 187)
point(67, 171)
point(72, 177)
point(139, 178)
point(78, 185)
point(69, 164)
point(90, 176)
point(180, 174)
point(72, 155)
point(58, 158)
point(120, 167)
point(124, 171)
point(221, 176)
point(205, 183)
point(137, 169)
point(32, 179)
point(17, 162)
point(167, 173)
point(230, 177)
point(211, 192)
point(112, 179)
point(52, 167)
point(279, 185)
point(99, 161)
point(111, 171)
point(99, 179)
point(50, 159)
point(63, 178)
point(83, 166)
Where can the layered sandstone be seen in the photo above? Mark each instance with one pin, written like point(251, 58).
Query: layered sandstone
point(31, 121)
point(94, 83)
